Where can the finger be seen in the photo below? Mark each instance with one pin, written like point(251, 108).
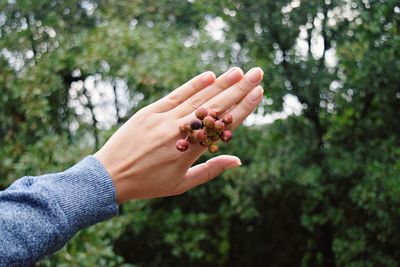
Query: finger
point(231, 96)
point(239, 110)
point(206, 171)
point(223, 82)
point(183, 92)
point(246, 106)
point(239, 113)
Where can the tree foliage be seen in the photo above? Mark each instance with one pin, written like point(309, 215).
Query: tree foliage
point(316, 189)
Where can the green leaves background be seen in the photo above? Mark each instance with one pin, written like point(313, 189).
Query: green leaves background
point(316, 189)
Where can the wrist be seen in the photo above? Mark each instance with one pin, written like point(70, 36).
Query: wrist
point(111, 167)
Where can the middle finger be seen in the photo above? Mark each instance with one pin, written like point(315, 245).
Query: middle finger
point(223, 82)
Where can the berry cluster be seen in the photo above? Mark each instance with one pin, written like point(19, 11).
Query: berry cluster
point(206, 130)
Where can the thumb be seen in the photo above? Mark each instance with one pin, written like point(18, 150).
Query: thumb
point(208, 170)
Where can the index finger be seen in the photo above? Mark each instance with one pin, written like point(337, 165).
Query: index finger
point(231, 96)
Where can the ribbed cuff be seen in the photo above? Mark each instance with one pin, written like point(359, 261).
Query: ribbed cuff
point(86, 194)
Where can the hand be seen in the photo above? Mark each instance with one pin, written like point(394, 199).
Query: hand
point(141, 156)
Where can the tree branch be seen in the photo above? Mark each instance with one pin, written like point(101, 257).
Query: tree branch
point(90, 106)
point(116, 104)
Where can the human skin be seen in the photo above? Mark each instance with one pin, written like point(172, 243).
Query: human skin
point(141, 157)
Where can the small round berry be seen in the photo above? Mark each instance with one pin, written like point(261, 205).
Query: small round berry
point(209, 122)
point(208, 130)
point(184, 128)
point(226, 136)
point(200, 135)
point(204, 144)
point(219, 126)
point(213, 114)
point(195, 124)
point(213, 136)
point(213, 148)
point(227, 119)
point(182, 145)
point(201, 113)
point(190, 137)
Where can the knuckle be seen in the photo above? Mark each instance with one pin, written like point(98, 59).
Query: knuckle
point(194, 103)
point(175, 99)
point(220, 86)
point(215, 107)
point(192, 86)
point(179, 190)
point(246, 107)
point(211, 172)
point(242, 87)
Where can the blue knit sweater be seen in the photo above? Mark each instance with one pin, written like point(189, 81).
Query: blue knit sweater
point(38, 215)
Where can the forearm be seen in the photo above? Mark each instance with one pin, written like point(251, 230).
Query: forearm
point(38, 215)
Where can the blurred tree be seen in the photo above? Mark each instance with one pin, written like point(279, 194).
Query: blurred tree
point(317, 189)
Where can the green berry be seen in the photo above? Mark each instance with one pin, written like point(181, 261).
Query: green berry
point(204, 144)
point(213, 136)
point(219, 126)
point(209, 122)
point(213, 148)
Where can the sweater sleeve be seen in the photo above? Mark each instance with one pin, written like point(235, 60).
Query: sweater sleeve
point(38, 215)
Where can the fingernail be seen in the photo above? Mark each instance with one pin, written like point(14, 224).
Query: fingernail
point(207, 76)
point(234, 164)
point(254, 75)
point(233, 73)
point(255, 95)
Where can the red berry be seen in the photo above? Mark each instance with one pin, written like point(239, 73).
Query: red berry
point(195, 124)
point(200, 135)
point(191, 138)
point(182, 145)
point(219, 126)
point(227, 119)
point(184, 128)
point(201, 113)
point(213, 148)
point(226, 136)
point(209, 122)
point(213, 114)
